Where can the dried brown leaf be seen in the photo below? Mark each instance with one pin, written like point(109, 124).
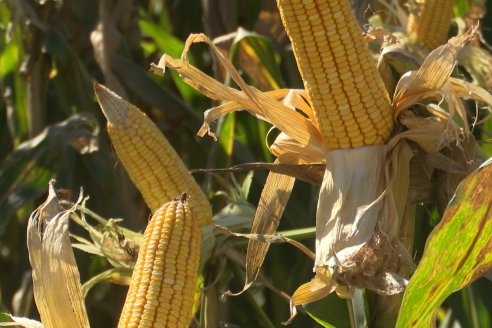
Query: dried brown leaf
point(273, 199)
point(56, 279)
point(311, 173)
point(288, 151)
point(430, 80)
point(287, 120)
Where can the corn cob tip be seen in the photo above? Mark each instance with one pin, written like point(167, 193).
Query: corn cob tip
point(183, 198)
point(114, 108)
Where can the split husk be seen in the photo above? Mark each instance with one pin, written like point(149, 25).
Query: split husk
point(56, 280)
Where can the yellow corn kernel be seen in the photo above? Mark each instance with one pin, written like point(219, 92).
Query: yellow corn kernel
point(151, 162)
point(163, 282)
point(429, 21)
point(348, 74)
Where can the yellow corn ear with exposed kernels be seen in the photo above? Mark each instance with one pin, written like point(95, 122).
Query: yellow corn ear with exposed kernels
point(429, 21)
point(151, 162)
point(164, 278)
point(350, 102)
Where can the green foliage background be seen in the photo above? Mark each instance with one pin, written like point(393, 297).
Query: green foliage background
point(47, 68)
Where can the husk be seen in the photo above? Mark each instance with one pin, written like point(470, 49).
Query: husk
point(362, 200)
point(347, 216)
point(433, 82)
point(288, 150)
point(56, 279)
point(259, 104)
point(317, 288)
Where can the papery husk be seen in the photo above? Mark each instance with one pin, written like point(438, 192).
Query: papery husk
point(288, 150)
point(357, 229)
point(357, 243)
point(431, 133)
point(316, 289)
point(343, 226)
point(431, 80)
point(56, 279)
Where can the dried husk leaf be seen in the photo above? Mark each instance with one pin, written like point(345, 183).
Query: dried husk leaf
point(432, 133)
point(288, 150)
point(297, 98)
point(346, 217)
point(23, 322)
point(289, 121)
point(398, 173)
point(468, 90)
point(56, 279)
point(273, 199)
point(356, 237)
point(312, 291)
point(213, 114)
point(293, 98)
point(320, 286)
point(431, 78)
point(433, 81)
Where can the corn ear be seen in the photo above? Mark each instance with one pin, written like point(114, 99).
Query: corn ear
point(351, 105)
point(162, 287)
point(428, 23)
point(150, 160)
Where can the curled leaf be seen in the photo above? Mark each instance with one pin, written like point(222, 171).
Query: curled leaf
point(289, 121)
point(431, 80)
point(56, 279)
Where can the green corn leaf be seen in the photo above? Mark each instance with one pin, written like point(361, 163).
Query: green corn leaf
point(458, 251)
point(169, 44)
point(256, 56)
point(26, 171)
